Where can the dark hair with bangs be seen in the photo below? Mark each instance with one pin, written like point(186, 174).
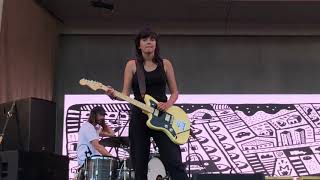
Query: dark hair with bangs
point(92, 117)
point(145, 33)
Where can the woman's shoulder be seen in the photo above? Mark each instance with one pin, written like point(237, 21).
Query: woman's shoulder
point(131, 64)
point(131, 60)
point(166, 62)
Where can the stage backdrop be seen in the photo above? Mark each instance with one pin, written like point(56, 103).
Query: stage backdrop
point(278, 135)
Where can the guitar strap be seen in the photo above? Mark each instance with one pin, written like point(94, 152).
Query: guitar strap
point(141, 78)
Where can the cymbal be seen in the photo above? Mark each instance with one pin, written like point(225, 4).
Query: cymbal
point(115, 142)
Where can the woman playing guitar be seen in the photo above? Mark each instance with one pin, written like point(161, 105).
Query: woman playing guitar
point(157, 74)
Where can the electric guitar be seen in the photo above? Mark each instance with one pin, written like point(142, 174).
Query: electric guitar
point(173, 122)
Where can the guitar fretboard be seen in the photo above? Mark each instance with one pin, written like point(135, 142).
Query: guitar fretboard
point(133, 101)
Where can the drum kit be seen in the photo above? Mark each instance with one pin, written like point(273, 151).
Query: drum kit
point(116, 168)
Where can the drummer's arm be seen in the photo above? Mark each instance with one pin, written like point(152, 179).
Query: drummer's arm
point(95, 143)
point(107, 131)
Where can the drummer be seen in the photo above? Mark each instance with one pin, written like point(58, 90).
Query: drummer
point(88, 142)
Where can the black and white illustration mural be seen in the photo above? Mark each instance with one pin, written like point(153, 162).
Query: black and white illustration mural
point(278, 135)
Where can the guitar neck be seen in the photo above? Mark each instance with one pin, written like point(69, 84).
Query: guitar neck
point(134, 102)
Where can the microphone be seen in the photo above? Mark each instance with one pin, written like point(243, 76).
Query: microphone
point(10, 112)
point(117, 119)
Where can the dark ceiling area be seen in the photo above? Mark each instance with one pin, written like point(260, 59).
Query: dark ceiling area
point(81, 12)
point(188, 14)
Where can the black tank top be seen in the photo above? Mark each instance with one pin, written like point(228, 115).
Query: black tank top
point(155, 84)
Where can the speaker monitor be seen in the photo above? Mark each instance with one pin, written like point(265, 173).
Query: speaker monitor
point(20, 165)
point(32, 126)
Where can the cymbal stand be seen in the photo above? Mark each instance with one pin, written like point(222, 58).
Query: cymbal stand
point(125, 165)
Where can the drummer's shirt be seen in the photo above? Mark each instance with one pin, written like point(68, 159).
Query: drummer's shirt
point(87, 133)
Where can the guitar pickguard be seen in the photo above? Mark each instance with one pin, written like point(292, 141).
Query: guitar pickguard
point(161, 119)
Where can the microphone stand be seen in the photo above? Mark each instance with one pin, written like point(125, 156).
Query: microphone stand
point(9, 115)
point(124, 167)
point(86, 163)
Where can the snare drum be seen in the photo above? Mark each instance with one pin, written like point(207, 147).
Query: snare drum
point(101, 168)
point(156, 168)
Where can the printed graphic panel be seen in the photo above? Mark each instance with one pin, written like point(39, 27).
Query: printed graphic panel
point(278, 135)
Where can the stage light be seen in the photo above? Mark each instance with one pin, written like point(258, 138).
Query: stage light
point(106, 4)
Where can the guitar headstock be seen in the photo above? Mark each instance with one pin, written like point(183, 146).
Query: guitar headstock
point(94, 85)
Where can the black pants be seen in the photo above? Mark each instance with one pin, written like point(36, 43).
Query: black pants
point(170, 154)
